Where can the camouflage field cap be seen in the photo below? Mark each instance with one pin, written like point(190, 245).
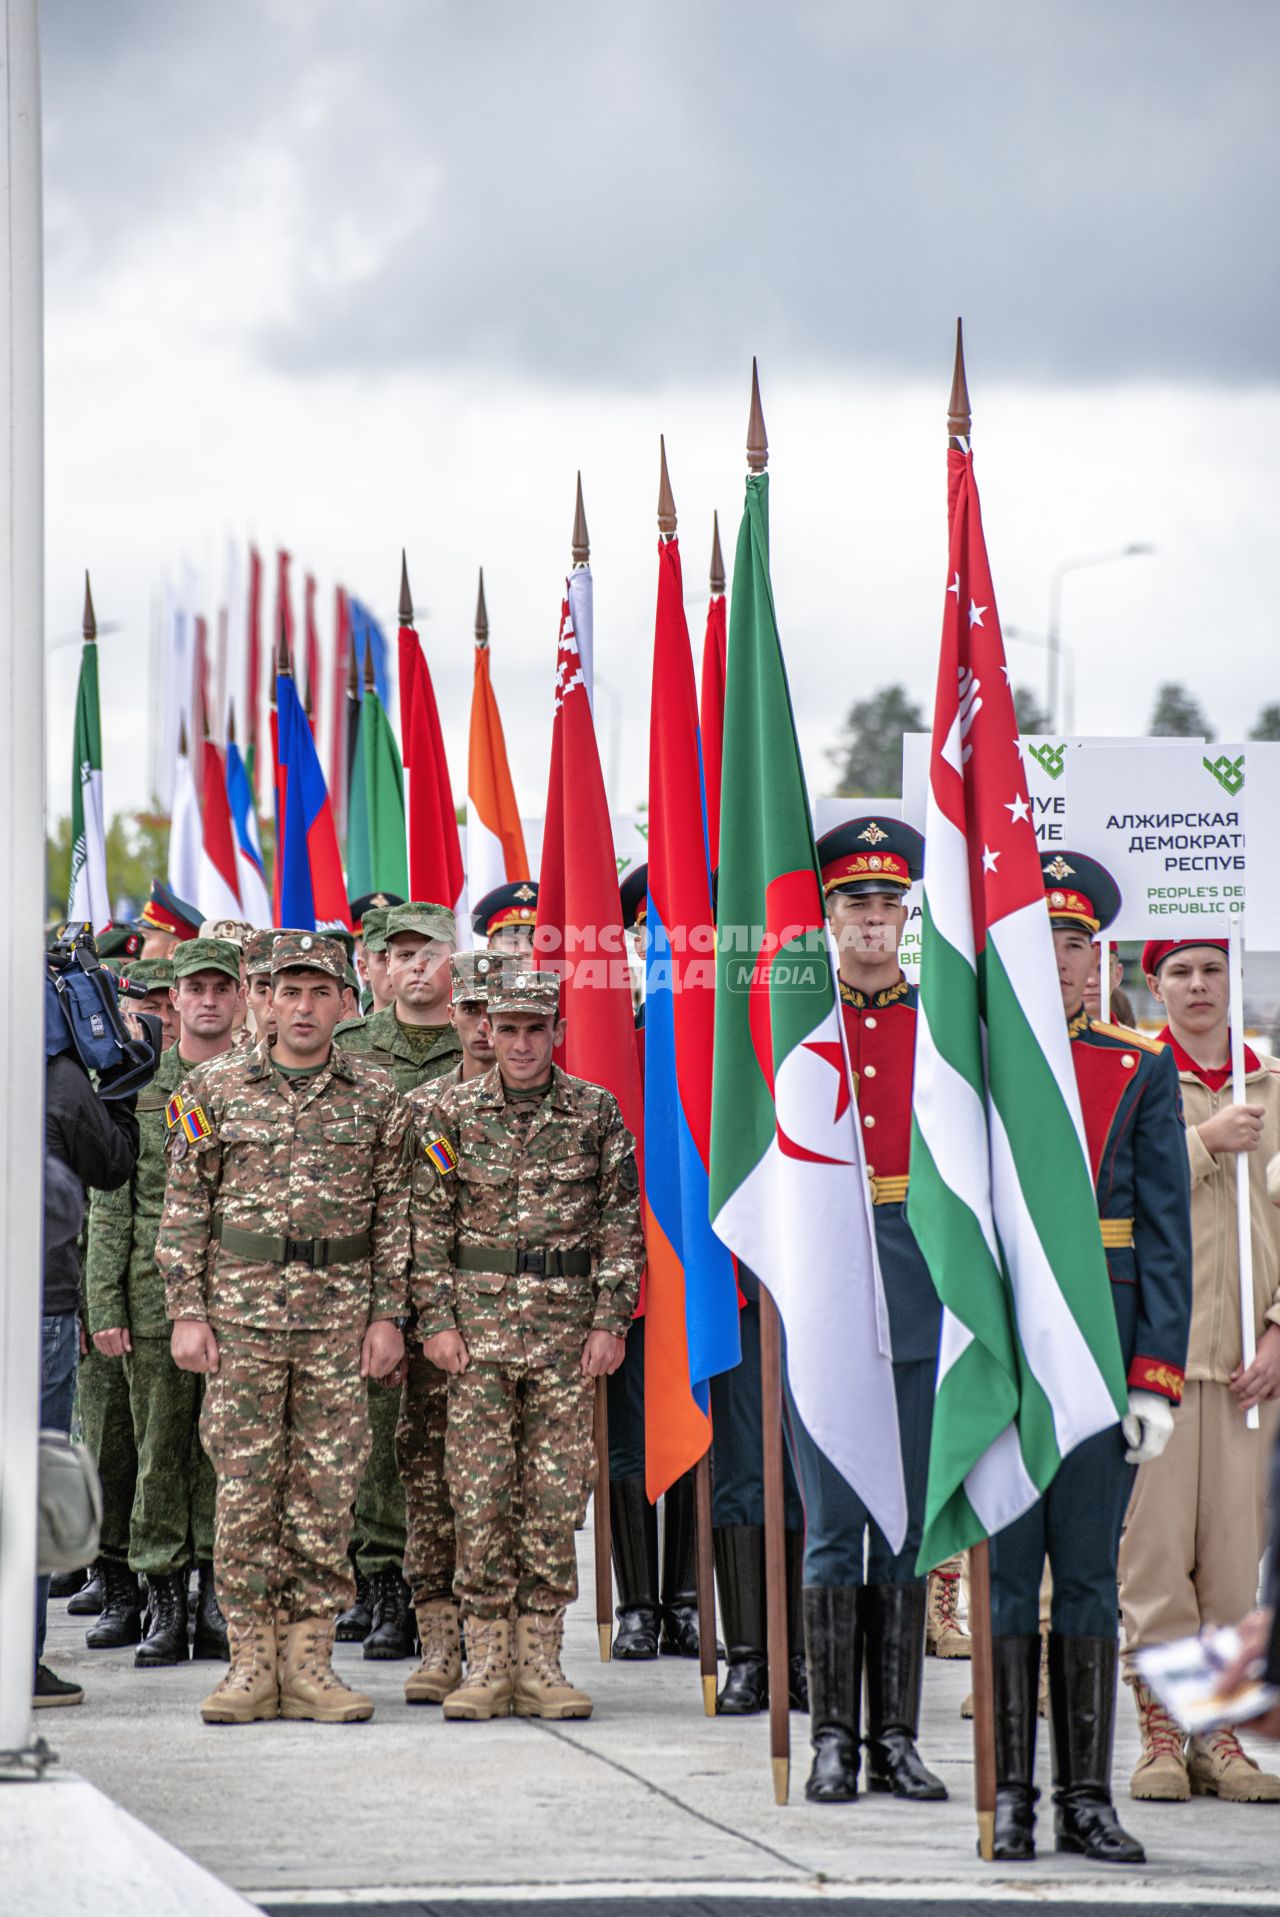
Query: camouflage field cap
point(309, 952)
point(350, 980)
point(470, 973)
point(373, 928)
point(428, 921)
point(207, 955)
point(258, 948)
point(516, 987)
point(155, 974)
point(237, 930)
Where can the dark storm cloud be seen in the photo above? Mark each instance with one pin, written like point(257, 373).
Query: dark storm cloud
point(613, 193)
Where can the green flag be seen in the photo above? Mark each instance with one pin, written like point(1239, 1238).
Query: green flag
point(377, 850)
point(87, 896)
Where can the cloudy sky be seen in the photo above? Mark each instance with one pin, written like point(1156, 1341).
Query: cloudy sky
point(346, 278)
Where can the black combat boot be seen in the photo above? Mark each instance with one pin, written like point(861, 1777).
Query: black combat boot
point(797, 1666)
point(394, 1632)
point(1082, 1713)
point(211, 1639)
point(355, 1623)
point(1015, 1667)
point(166, 1621)
point(66, 1584)
point(894, 1621)
point(833, 1648)
point(87, 1601)
point(739, 1550)
point(120, 1622)
point(634, 1527)
point(679, 1575)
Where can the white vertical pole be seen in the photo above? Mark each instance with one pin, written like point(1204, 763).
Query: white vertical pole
point(1104, 981)
point(1244, 1235)
point(22, 878)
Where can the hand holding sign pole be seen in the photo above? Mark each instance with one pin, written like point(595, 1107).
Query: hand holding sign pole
point(1244, 1233)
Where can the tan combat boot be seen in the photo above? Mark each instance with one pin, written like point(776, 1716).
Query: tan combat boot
point(249, 1691)
point(485, 1691)
point(440, 1671)
point(1161, 1772)
point(1217, 1767)
point(542, 1689)
point(943, 1636)
point(310, 1688)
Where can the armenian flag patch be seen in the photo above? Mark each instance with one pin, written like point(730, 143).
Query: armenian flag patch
point(195, 1125)
point(440, 1153)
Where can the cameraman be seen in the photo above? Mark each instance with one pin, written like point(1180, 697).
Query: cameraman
point(96, 1139)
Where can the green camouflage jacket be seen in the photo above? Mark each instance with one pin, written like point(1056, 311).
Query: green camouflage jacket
point(122, 1285)
point(381, 1036)
point(329, 1160)
point(566, 1179)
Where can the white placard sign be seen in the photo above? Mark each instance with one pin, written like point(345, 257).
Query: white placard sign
point(1170, 828)
point(1046, 763)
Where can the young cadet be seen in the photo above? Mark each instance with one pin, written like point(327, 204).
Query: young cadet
point(506, 917)
point(1137, 1149)
point(1197, 1528)
point(284, 1250)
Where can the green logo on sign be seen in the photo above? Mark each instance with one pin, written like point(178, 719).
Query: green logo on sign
point(1228, 772)
point(1049, 758)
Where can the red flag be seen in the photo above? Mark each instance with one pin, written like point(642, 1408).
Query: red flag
point(435, 856)
point(253, 677)
point(311, 643)
point(218, 892)
point(711, 713)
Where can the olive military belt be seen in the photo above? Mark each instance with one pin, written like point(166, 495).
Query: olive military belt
point(265, 1250)
point(543, 1261)
point(1117, 1233)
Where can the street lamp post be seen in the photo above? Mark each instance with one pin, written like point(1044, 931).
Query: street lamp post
point(1025, 636)
point(1136, 549)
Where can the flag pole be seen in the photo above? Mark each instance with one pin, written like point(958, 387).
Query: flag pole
point(1244, 1227)
point(959, 425)
point(775, 1563)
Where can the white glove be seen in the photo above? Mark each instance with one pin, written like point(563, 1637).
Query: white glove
point(1148, 1427)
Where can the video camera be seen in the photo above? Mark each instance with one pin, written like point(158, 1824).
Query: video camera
point(82, 1015)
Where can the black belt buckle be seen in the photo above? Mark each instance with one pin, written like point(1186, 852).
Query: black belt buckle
point(301, 1249)
point(534, 1261)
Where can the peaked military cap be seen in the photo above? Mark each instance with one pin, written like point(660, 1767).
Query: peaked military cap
point(164, 911)
point(634, 892)
point(372, 902)
point(515, 903)
point(1078, 891)
point(237, 930)
point(517, 986)
point(470, 973)
point(308, 952)
point(870, 855)
point(207, 955)
point(428, 921)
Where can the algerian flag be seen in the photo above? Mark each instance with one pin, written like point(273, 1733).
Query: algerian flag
point(1001, 1198)
point(87, 896)
point(789, 1192)
point(377, 851)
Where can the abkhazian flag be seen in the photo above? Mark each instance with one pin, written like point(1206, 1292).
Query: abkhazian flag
point(789, 1192)
point(1001, 1198)
point(87, 895)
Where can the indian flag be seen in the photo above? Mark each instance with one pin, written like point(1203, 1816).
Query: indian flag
point(788, 1186)
point(87, 895)
point(495, 838)
point(1001, 1198)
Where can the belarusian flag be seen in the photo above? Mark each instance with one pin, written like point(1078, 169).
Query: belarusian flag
point(87, 895)
point(1001, 1198)
point(789, 1188)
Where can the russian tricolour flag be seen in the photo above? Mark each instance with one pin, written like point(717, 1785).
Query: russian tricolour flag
point(313, 892)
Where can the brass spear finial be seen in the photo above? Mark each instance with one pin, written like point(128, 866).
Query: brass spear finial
point(353, 676)
point(959, 418)
point(717, 558)
point(90, 622)
point(666, 498)
point(757, 442)
point(231, 722)
point(482, 615)
point(283, 664)
point(406, 597)
point(581, 543)
point(370, 678)
point(182, 738)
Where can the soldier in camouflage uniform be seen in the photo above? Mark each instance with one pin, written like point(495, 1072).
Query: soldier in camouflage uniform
point(416, 1042)
point(257, 981)
point(429, 1556)
point(527, 1257)
point(171, 1523)
point(284, 1249)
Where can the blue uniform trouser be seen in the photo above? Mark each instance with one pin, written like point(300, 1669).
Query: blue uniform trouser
point(737, 1456)
point(1076, 1524)
point(626, 1409)
point(60, 1352)
point(843, 1543)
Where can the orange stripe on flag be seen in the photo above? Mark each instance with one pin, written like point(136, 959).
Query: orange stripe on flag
point(676, 1431)
point(489, 786)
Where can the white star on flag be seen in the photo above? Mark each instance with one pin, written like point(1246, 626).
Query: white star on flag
point(989, 859)
point(1019, 809)
point(955, 587)
point(975, 612)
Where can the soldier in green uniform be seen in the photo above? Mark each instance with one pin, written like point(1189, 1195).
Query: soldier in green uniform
point(171, 1523)
point(415, 1040)
point(527, 1256)
point(429, 1555)
point(369, 916)
point(284, 1249)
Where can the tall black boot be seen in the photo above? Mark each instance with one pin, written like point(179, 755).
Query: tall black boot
point(633, 1524)
point(1015, 1665)
point(893, 1621)
point(1082, 1712)
point(833, 1649)
point(87, 1601)
point(166, 1639)
point(120, 1622)
point(679, 1576)
point(211, 1627)
point(797, 1667)
point(395, 1628)
point(355, 1623)
point(739, 1551)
